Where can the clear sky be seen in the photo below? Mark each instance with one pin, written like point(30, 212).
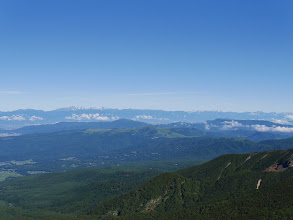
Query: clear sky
point(154, 54)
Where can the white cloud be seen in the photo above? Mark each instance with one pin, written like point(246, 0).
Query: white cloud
point(211, 125)
point(84, 116)
point(263, 128)
point(282, 122)
point(231, 124)
point(4, 118)
point(17, 118)
point(206, 126)
point(283, 129)
point(8, 135)
point(35, 118)
point(78, 117)
point(143, 117)
point(12, 92)
point(12, 118)
point(152, 93)
point(100, 118)
point(290, 117)
point(163, 119)
point(162, 93)
point(148, 117)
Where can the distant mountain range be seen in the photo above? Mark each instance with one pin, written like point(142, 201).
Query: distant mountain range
point(130, 141)
point(66, 126)
point(20, 118)
point(255, 130)
point(71, 145)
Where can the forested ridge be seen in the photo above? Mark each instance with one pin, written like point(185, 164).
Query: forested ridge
point(251, 186)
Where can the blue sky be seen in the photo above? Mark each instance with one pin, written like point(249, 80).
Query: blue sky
point(154, 54)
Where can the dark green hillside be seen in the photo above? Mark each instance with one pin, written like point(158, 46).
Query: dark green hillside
point(194, 132)
point(273, 202)
point(68, 192)
point(240, 186)
point(197, 148)
point(279, 144)
point(252, 135)
point(163, 193)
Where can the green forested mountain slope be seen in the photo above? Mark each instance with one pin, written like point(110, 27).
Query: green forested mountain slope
point(238, 186)
point(279, 144)
point(248, 186)
point(66, 193)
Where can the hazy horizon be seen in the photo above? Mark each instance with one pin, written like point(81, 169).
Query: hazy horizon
point(102, 107)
